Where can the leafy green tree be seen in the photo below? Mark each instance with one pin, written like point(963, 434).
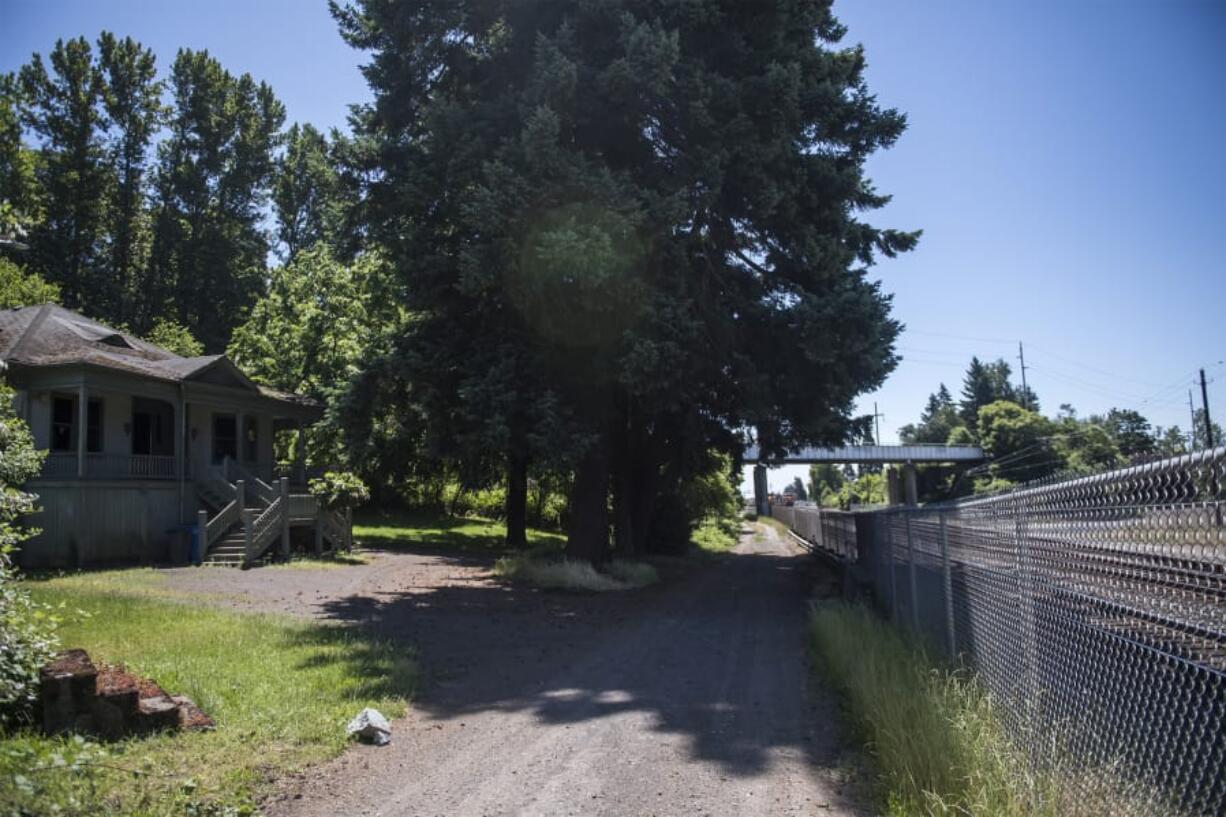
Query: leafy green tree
point(131, 98)
point(650, 212)
point(313, 330)
point(207, 262)
point(1199, 431)
point(1131, 432)
point(1017, 442)
point(174, 337)
point(62, 109)
point(21, 288)
point(1087, 445)
point(1170, 442)
point(825, 480)
point(25, 634)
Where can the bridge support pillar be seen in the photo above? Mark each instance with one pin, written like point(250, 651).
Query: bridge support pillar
point(760, 501)
point(910, 486)
point(893, 486)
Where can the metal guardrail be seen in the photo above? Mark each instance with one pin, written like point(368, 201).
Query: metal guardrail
point(1094, 612)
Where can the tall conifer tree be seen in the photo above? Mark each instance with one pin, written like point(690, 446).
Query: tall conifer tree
point(647, 214)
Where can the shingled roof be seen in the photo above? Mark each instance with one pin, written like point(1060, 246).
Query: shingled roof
point(49, 335)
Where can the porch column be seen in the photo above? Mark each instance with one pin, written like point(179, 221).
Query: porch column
point(82, 427)
point(300, 451)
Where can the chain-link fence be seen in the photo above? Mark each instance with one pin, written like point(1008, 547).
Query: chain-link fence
point(1092, 609)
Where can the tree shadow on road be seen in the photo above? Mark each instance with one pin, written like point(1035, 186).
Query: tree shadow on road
point(718, 657)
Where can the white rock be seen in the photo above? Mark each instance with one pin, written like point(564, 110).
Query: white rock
point(370, 726)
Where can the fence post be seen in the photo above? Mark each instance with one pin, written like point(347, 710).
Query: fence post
point(248, 535)
point(285, 517)
point(951, 640)
point(1025, 591)
point(319, 532)
point(889, 551)
point(202, 533)
point(240, 495)
point(911, 570)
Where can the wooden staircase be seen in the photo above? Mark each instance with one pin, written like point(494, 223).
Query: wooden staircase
point(245, 516)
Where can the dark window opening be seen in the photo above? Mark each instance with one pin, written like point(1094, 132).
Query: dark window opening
point(63, 414)
point(64, 425)
point(152, 427)
point(225, 437)
point(251, 439)
point(93, 426)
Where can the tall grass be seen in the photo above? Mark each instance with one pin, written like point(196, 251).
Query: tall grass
point(936, 741)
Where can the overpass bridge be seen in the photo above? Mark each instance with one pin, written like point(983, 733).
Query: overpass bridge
point(907, 456)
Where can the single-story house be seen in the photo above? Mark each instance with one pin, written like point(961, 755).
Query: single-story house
point(144, 445)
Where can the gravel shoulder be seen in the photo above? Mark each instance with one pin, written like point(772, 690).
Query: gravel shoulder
point(690, 697)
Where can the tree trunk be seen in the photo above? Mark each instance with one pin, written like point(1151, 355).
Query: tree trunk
point(517, 501)
point(625, 462)
point(588, 532)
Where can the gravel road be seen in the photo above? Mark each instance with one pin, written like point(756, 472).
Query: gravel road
point(693, 697)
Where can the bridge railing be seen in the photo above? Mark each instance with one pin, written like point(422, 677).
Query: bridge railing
point(1092, 609)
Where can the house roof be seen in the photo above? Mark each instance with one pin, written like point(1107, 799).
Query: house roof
point(49, 335)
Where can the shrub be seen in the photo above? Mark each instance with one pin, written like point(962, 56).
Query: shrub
point(26, 629)
point(340, 490)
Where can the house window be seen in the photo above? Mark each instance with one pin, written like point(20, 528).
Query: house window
point(251, 439)
point(225, 437)
point(93, 426)
point(64, 425)
point(63, 417)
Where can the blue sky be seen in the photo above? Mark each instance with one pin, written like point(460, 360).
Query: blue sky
point(1064, 160)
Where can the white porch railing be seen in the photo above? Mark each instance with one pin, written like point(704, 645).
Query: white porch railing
point(64, 465)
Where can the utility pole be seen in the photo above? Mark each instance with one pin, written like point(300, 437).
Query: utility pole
point(1021, 356)
point(1191, 428)
point(877, 424)
point(1204, 399)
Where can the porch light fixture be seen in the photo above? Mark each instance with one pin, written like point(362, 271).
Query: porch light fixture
point(195, 431)
point(127, 429)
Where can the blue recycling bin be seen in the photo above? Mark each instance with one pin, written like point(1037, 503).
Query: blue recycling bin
point(195, 555)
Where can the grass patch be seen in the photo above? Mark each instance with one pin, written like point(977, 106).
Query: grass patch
point(568, 575)
point(716, 535)
point(772, 522)
point(402, 530)
point(936, 741)
point(132, 582)
point(310, 562)
point(280, 690)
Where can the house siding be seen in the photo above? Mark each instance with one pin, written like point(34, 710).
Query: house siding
point(120, 522)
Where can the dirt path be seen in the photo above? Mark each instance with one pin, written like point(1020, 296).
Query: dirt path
point(689, 698)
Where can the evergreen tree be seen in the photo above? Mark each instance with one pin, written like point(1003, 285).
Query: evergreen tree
point(987, 383)
point(131, 96)
point(635, 224)
point(207, 263)
point(939, 418)
point(798, 488)
point(62, 108)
